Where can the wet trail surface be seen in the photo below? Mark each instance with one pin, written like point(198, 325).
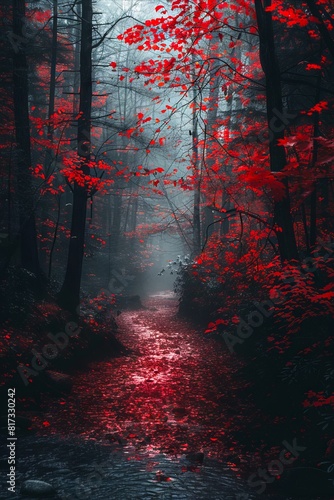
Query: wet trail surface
point(156, 423)
point(169, 394)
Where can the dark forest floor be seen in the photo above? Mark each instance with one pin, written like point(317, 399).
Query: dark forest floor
point(172, 418)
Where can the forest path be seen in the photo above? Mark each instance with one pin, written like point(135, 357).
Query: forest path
point(135, 426)
point(175, 392)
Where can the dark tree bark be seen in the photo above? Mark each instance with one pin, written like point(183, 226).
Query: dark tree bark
point(313, 197)
point(215, 84)
point(276, 123)
point(44, 203)
point(54, 50)
point(28, 235)
point(134, 211)
point(324, 32)
point(54, 239)
point(116, 219)
point(69, 295)
point(197, 188)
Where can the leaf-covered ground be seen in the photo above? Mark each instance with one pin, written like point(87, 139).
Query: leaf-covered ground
point(176, 393)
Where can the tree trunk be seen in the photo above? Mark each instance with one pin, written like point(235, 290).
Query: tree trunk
point(321, 25)
point(210, 158)
point(69, 295)
point(276, 123)
point(313, 197)
point(134, 210)
point(54, 50)
point(197, 188)
point(116, 219)
point(28, 235)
